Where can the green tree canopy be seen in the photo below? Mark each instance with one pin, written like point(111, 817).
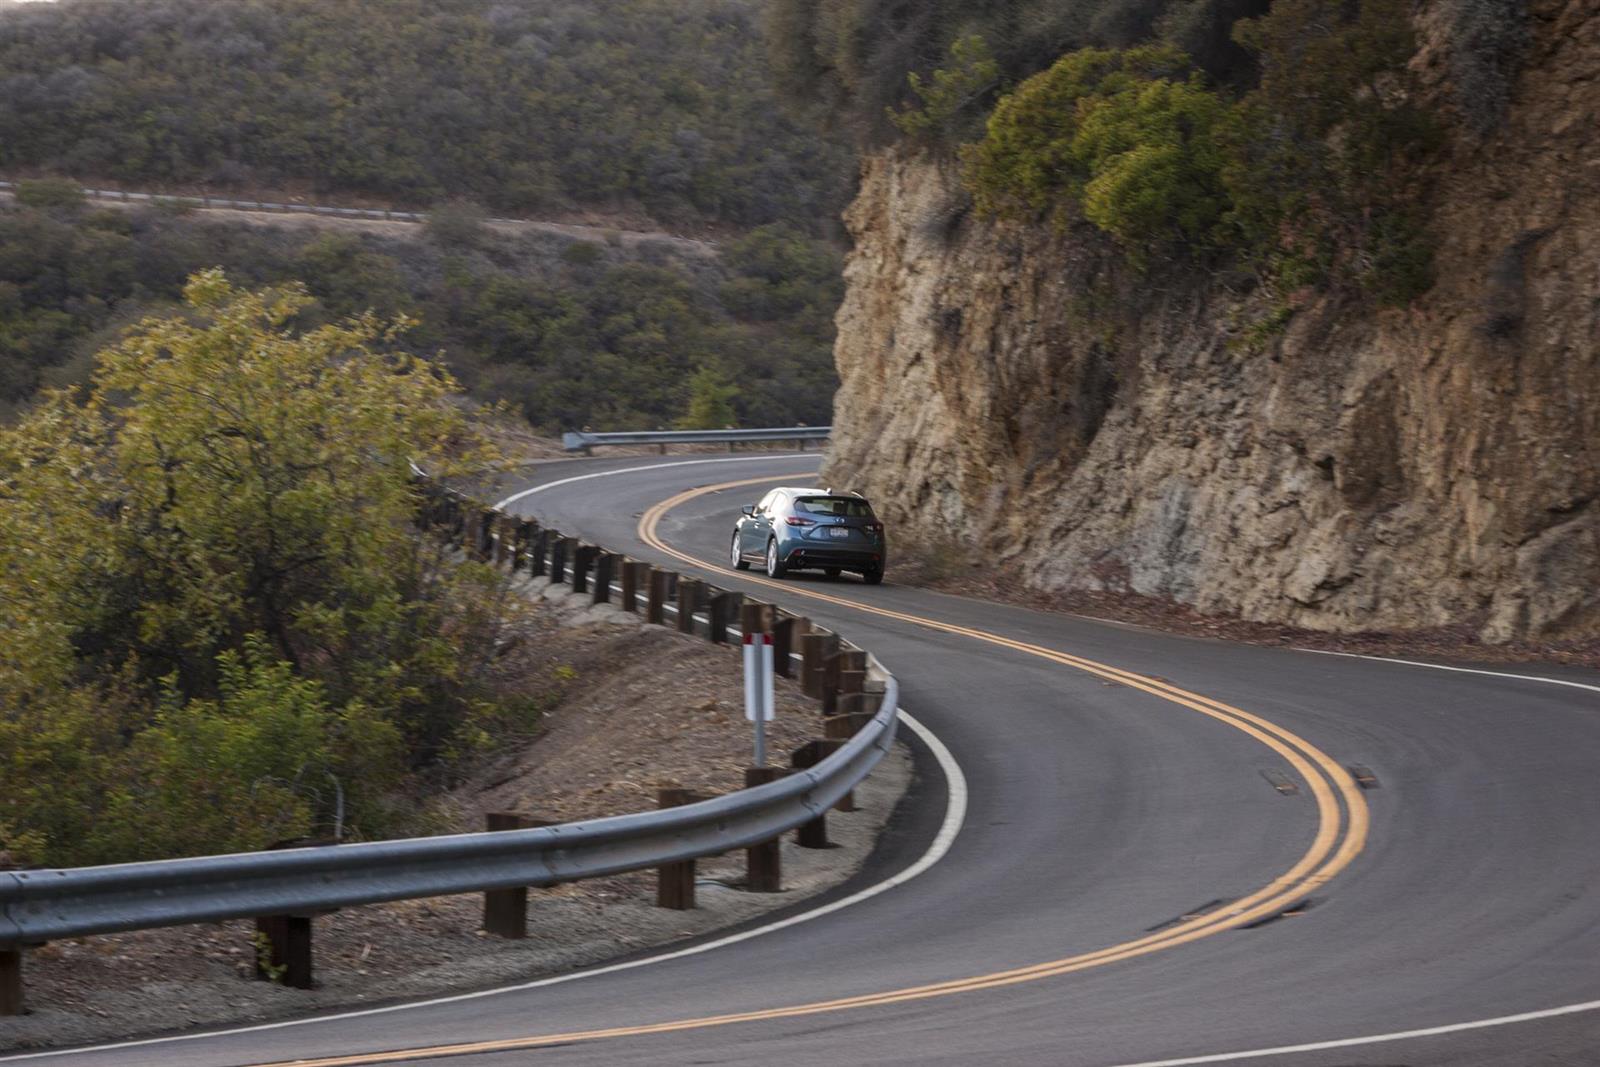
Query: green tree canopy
point(710, 401)
point(211, 582)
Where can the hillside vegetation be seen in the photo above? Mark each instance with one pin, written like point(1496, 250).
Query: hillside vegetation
point(1281, 137)
point(568, 333)
point(643, 106)
point(660, 114)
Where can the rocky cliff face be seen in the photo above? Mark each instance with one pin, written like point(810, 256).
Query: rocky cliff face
point(1020, 390)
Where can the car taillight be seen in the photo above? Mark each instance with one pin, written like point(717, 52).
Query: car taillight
point(795, 520)
point(875, 527)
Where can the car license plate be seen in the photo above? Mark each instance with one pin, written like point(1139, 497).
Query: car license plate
point(839, 531)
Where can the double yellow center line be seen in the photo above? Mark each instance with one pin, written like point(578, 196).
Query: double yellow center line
point(1342, 825)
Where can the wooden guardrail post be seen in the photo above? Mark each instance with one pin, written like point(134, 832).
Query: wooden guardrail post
point(605, 566)
point(483, 552)
point(505, 911)
point(688, 603)
point(847, 676)
point(763, 860)
point(755, 617)
point(786, 635)
point(845, 725)
point(283, 950)
point(813, 647)
point(633, 575)
point(522, 543)
point(723, 607)
point(675, 881)
point(539, 553)
point(660, 590)
point(830, 684)
point(813, 834)
point(503, 540)
point(11, 999)
point(283, 942)
point(854, 703)
point(841, 728)
point(583, 557)
point(562, 552)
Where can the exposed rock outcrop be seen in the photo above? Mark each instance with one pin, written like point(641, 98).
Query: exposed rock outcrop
point(1020, 389)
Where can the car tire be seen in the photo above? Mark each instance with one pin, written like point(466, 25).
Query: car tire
point(873, 577)
point(831, 572)
point(735, 557)
point(775, 567)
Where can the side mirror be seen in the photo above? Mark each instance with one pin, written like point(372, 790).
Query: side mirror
point(750, 510)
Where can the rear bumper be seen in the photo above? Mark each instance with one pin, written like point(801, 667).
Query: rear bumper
point(853, 558)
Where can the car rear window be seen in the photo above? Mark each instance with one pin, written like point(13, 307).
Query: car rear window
point(849, 507)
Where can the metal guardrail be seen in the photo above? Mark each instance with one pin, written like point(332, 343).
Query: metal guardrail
point(44, 905)
point(583, 442)
point(37, 906)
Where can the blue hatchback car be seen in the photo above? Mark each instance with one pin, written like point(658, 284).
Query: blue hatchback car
point(811, 529)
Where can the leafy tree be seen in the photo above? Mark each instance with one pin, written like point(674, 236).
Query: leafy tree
point(710, 401)
point(1155, 164)
point(211, 581)
point(246, 768)
point(950, 92)
point(1063, 127)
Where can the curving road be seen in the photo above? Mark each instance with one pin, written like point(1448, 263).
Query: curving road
point(1162, 858)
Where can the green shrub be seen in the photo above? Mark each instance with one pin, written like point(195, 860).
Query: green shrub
point(50, 193)
point(1399, 254)
point(460, 224)
point(1315, 176)
point(212, 589)
point(949, 94)
point(711, 396)
point(1128, 138)
point(237, 772)
point(1155, 164)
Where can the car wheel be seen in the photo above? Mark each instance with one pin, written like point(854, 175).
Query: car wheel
point(775, 567)
point(736, 558)
point(831, 572)
point(873, 577)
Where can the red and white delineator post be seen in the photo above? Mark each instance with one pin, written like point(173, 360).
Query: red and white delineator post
point(758, 694)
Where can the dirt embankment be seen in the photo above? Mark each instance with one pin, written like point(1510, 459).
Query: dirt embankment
point(643, 708)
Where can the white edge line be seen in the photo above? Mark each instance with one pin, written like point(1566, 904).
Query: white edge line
point(1457, 670)
point(1374, 1039)
point(955, 815)
point(1225, 1057)
point(514, 497)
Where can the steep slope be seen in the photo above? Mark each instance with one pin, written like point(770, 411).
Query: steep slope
point(1020, 390)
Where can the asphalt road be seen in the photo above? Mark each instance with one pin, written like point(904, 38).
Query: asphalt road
point(1463, 885)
